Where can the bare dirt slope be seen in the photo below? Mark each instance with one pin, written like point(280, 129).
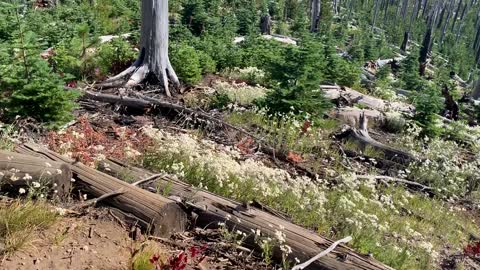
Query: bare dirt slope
point(77, 244)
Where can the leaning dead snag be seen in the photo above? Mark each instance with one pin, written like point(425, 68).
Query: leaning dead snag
point(153, 61)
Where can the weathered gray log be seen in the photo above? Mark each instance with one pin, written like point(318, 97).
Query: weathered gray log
point(17, 170)
point(212, 209)
point(158, 215)
point(362, 136)
point(355, 97)
point(351, 115)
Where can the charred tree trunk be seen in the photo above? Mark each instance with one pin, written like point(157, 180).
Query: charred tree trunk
point(266, 25)
point(406, 37)
point(153, 61)
point(375, 13)
point(424, 7)
point(315, 10)
point(449, 16)
point(425, 50)
point(456, 15)
point(404, 9)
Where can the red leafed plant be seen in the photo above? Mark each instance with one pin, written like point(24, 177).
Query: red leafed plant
point(472, 250)
point(306, 125)
point(294, 157)
point(246, 146)
point(86, 144)
point(194, 255)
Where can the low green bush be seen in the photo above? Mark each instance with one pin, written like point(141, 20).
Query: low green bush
point(186, 62)
point(428, 104)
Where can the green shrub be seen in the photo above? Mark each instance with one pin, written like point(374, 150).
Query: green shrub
point(338, 70)
point(186, 62)
point(30, 88)
point(220, 101)
point(207, 63)
point(296, 78)
point(409, 72)
point(111, 57)
point(428, 103)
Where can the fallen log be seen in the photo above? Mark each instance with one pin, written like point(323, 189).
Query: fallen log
point(355, 97)
point(154, 213)
point(17, 171)
point(362, 137)
point(212, 209)
point(351, 115)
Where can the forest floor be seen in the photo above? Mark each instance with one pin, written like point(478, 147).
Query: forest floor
point(97, 240)
point(310, 180)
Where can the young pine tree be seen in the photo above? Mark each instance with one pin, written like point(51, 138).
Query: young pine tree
point(28, 87)
point(296, 79)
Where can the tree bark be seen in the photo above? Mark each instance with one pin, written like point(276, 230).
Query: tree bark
point(18, 171)
point(425, 50)
point(266, 25)
point(406, 38)
point(315, 11)
point(153, 61)
point(154, 213)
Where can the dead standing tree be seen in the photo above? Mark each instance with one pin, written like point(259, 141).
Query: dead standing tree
point(153, 62)
point(315, 11)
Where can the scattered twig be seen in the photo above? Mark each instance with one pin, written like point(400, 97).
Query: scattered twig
point(153, 177)
point(323, 253)
point(396, 180)
point(119, 220)
point(168, 241)
point(93, 202)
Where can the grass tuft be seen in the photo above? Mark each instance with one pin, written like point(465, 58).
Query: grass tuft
point(20, 220)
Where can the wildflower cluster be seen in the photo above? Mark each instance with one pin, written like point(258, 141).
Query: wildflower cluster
point(381, 220)
point(444, 166)
point(205, 164)
point(240, 93)
point(252, 75)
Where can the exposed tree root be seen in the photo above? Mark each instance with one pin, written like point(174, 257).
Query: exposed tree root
point(139, 72)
